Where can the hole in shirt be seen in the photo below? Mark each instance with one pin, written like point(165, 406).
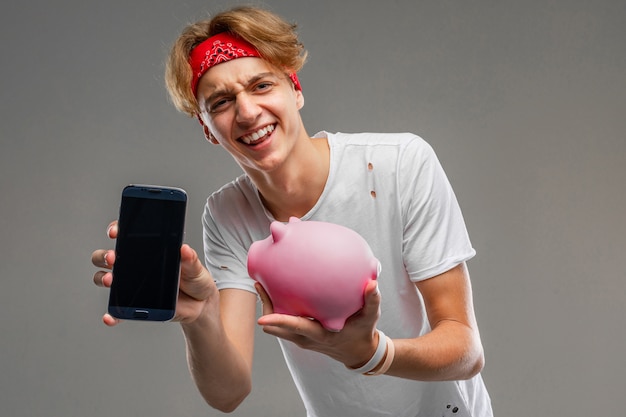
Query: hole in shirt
point(370, 167)
point(373, 194)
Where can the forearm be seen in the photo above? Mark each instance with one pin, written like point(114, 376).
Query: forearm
point(221, 373)
point(452, 351)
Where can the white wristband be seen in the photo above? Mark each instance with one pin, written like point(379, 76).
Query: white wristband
point(378, 355)
point(391, 351)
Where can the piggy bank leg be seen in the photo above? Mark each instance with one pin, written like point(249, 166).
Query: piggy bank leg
point(334, 324)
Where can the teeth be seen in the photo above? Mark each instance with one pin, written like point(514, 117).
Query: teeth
point(248, 139)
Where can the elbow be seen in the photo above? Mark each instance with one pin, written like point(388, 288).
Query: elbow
point(476, 366)
point(475, 357)
point(227, 407)
point(229, 402)
point(474, 363)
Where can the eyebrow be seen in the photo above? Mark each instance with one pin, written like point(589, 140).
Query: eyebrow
point(225, 91)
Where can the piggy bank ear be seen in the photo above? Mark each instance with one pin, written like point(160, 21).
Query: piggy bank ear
point(293, 219)
point(277, 230)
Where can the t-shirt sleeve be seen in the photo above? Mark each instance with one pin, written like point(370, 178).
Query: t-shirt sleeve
point(435, 237)
point(225, 256)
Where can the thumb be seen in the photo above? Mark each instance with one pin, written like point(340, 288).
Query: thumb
point(189, 262)
point(371, 299)
point(268, 307)
point(195, 280)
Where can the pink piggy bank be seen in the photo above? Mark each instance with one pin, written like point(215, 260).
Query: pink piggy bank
point(313, 269)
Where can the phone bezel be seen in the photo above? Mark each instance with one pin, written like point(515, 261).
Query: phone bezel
point(143, 313)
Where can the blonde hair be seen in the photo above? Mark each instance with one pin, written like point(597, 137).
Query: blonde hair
point(274, 38)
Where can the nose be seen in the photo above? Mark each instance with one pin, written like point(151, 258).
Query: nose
point(247, 110)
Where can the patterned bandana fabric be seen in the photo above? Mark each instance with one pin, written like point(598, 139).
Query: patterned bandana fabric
point(222, 47)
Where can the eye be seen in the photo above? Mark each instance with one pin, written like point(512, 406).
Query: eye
point(218, 105)
point(263, 86)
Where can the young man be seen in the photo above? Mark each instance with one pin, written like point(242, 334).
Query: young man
point(414, 349)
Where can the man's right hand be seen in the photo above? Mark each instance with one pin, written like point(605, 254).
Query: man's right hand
point(197, 288)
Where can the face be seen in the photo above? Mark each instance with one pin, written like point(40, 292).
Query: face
point(252, 110)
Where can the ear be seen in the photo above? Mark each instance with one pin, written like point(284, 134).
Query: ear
point(207, 133)
point(299, 99)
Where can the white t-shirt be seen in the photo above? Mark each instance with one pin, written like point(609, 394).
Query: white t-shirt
point(391, 189)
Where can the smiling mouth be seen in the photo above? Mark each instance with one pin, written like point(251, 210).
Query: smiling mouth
point(257, 136)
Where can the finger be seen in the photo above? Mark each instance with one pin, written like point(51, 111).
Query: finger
point(370, 311)
point(109, 320)
point(112, 230)
point(190, 262)
point(304, 332)
point(371, 298)
point(195, 279)
point(287, 326)
point(98, 258)
point(103, 258)
point(268, 306)
point(103, 279)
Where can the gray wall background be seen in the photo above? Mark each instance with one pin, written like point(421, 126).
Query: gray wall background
point(523, 101)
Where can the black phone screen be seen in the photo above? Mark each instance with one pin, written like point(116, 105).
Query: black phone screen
point(147, 262)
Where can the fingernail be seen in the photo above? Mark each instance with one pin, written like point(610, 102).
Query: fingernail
point(106, 263)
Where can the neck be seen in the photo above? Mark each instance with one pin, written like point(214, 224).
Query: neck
point(293, 189)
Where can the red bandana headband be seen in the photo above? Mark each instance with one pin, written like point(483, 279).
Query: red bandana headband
point(222, 47)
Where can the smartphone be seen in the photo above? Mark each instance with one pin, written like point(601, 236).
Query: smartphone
point(146, 272)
